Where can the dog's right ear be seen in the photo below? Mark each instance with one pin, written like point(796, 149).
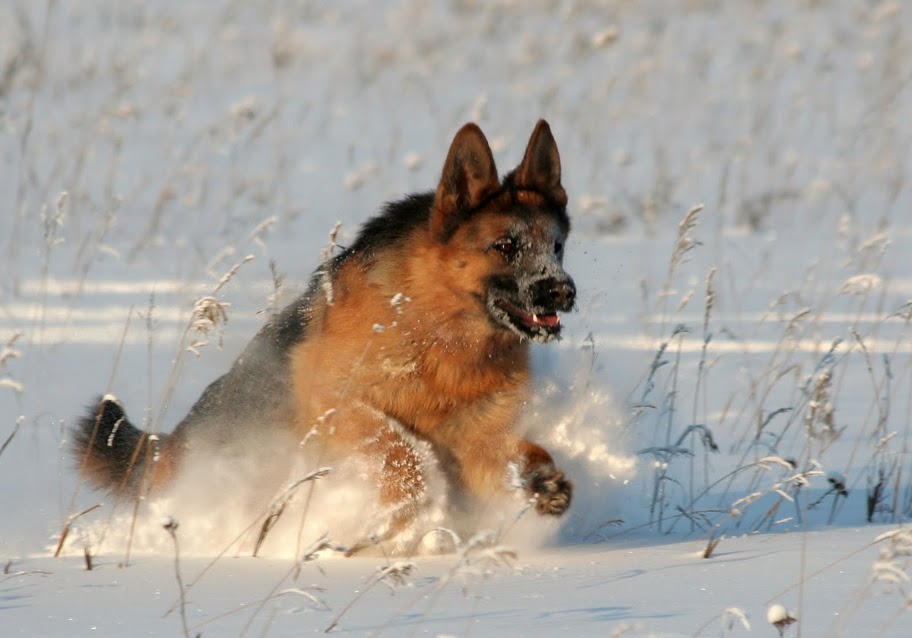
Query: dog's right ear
point(469, 176)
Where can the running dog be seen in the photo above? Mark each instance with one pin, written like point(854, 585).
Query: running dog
point(417, 334)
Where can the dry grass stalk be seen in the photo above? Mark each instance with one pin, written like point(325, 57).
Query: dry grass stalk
point(9, 439)
point(170, 525)
point(711, 545)
point(684, 244)
point(477, 558)
point(728, 619)
point(310, 553)
point(208, 314)
point(7, 354)
point(83, 463)
point(278, 282)
point(68, 525)
point(393, 575)
point(325, 255)
point(277, 508)
point(149, 444)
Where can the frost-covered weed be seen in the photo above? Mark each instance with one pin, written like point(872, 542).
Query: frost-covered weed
point(801, 433)
point(780, 618)
point(892, 568)
point(7, 354)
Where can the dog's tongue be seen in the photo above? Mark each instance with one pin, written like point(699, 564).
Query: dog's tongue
point(548, 321)
point(532, 320)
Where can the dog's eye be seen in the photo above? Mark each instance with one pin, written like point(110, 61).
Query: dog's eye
point(558, 247)
point(505, 246)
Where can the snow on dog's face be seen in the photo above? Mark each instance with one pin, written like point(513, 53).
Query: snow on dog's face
point(533, 288)
point(519, 279)
point(505, 242)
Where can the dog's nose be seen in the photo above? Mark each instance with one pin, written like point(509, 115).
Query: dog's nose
point(564, 294)
point(557, 293)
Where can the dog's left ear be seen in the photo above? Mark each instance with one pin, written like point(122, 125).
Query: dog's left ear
point(541, 166)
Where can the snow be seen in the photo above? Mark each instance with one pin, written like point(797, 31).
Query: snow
point(732, 398)
point(655, 586)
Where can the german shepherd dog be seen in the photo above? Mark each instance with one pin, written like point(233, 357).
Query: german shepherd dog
point(418, 333)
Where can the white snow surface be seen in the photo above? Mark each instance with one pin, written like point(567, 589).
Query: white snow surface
point(721, 372)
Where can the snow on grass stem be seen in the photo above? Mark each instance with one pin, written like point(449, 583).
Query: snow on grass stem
point(278, 282)
point(680, 332)
point(477, 558)
point(684, 243)
point(8, 353)
point(727, 619)
point(824, 364)
point(310, 553)
point(170, 525)
point(393, 575)
point(325, 255)
point(664, 454)
point(709, 302)
point(208, 314)
point(51, 225)
point(67, 526)
point(890, 571)
point(780, 618)
point(277, 508)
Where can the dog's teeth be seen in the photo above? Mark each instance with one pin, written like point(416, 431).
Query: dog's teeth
point(534, 317)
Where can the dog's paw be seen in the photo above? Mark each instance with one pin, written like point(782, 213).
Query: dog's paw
point(549, 492)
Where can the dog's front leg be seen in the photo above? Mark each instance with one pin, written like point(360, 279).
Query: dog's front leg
point(397, 468)
point(548, 489)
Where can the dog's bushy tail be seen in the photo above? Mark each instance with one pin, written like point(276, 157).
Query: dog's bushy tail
point(109, 450)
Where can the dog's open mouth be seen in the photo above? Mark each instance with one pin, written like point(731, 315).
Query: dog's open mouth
point(538, 326)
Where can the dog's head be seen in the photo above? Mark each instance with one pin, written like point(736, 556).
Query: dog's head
point(503, 243)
